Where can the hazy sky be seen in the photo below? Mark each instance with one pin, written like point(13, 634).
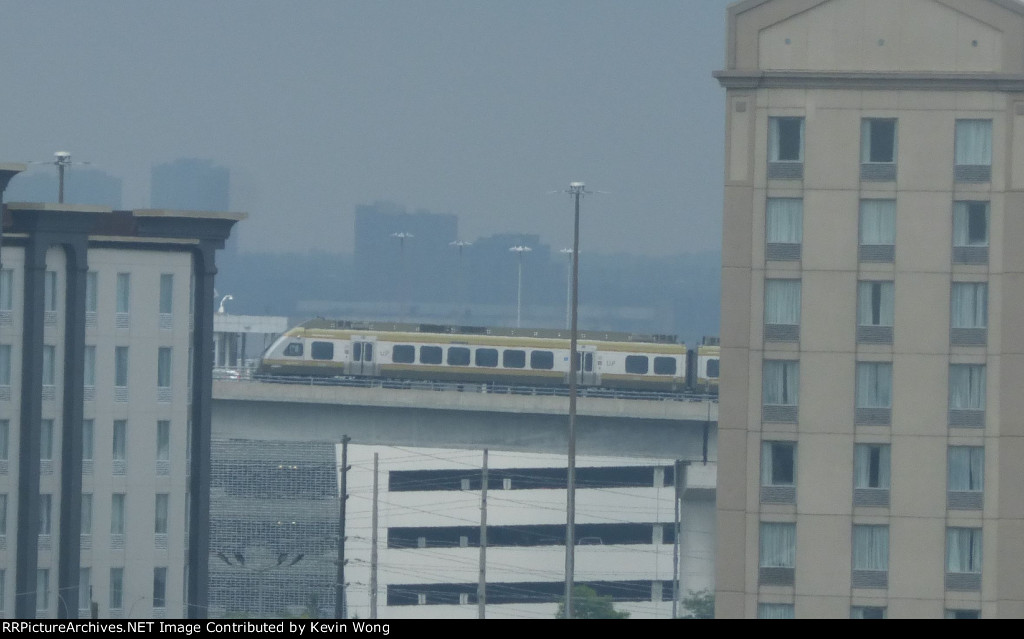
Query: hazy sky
point(477, 108)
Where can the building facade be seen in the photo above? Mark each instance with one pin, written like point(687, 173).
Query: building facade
point(105, 377)
point(871, 445)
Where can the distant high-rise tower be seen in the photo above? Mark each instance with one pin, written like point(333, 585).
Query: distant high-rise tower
point(191, 184)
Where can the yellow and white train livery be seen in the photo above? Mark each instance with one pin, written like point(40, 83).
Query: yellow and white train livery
point(329, 348)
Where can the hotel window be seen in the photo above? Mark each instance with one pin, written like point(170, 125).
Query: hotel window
point(3, 514)
point(6, 294)
point(87, 431)
point(969, 314)
point(878, 149)
point(963, 559)
point(785, 148)
point(86, 527)
point(966, 477)
point(121, 373)
point(782, 310)
point(877, 230)
point(42, 590)
point(84, 590)
point(90, 370)
point(120, 440)
point(973, 151)
point(784, 228)
point(781, 390)
point(116, 588)
point(91, 292)
point(970, 232)
point(775, 611)
point(49, 371)
point(874, 393)
point(870, 557)
point(163, 375)
point(967, 395)
point(876, 303)
point(778, 472)
point(46, 440)
point(124, 291)
point(159, 587)
point(50, 297)
point(5, 367)
point(117, 514)
point(5, 431)
point(162, 501)
point(871, 464)
point(163, 440)
point(777, 546)
point(45, 502)
point(166, 300)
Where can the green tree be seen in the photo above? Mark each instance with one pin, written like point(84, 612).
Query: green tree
point(699, 605)
point(587, 604)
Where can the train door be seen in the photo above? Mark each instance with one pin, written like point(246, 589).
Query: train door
point(363, 356)
point(586, 371)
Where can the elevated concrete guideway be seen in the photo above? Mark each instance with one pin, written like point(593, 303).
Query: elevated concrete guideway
point(453, 419)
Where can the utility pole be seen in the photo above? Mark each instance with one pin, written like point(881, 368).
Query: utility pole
point(339, 586)
point(481, 587)
point(577, 190)
point(373, 545)
point(680, 482)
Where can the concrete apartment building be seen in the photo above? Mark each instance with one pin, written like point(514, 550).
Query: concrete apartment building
point(871, 435)
point(105, 373)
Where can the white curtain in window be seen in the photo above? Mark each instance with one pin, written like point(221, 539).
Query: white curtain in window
point(973, 142)
point(875, 303)
point(120, 439)
point(163, 440)
point(778, 545)
point(964, 232)
point(966, 468)
point(91, 301)
point(878, 222)
point(781, 383)
point(42, 590)
point(874, 385)
point(123, 292)
point(963, 550)
point(871, 548)
point(782, 302)
point(871, 465)
point(967, 387)
point(49, 375)
point(785, 221)
point(970, 305)
point(775, 611)
point(163, 374)
point(160, 526)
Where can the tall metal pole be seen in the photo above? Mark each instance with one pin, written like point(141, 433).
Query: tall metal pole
point(576, 189)
point(675, 545)
point(339, 586)
point(481, 587)
point(373, 544)
point(568, 252)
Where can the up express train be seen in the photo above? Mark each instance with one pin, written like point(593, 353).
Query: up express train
point(529, 357)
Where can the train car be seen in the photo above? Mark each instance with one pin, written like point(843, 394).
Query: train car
point(707, 357)
point(531, 357)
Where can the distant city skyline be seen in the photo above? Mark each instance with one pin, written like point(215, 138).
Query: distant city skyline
point(476, 109)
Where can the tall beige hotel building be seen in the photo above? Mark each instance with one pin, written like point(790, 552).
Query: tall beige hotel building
point(872, 393)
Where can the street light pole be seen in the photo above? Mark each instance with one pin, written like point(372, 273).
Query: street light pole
point(568, 252)
point(577, 190)
point(519, 294)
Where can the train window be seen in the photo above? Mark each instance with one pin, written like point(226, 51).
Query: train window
point(458, 356)
point(513, 359)
point(712, 368)
point(430, 354)
point(637, 364)
point(368, 352)
point(322, 350)
point(403, 354)
point(293, 350)
point(544, 360)
point(357, 351)
point(587, 364)
point(487, 357)
point(664, 366)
